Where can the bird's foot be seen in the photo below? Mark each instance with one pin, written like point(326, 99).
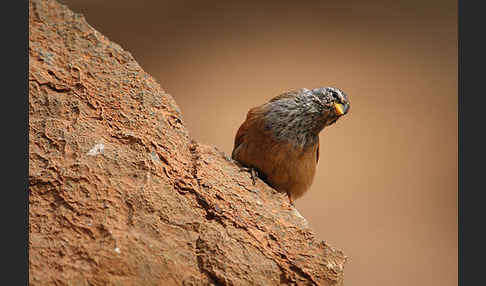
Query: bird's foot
point(290, 206)
point(253, 173)
point(291, 201)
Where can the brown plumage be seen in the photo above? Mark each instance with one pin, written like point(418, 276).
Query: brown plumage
point(280, 139)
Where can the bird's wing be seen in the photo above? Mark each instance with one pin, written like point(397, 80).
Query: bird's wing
point(288, 94)
point(251, 119)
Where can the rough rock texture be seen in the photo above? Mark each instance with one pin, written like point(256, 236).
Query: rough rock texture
point(120, 194)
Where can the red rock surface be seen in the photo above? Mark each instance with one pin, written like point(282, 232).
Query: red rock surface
point(120, 195)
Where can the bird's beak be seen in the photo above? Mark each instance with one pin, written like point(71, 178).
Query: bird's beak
point(341, 109)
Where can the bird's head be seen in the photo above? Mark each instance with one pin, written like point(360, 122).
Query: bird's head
point(299, 115)
point(332, 102)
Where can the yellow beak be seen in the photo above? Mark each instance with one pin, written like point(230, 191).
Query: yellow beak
point(339, 108)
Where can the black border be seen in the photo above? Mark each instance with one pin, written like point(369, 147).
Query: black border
point(471, 61)
point(15, 194)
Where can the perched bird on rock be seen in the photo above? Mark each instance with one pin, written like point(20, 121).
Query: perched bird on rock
point(279, 140)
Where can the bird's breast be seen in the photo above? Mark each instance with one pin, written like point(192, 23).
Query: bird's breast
point(286, 167)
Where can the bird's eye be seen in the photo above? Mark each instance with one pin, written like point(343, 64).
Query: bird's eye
point(335, 96)
point(338, 97)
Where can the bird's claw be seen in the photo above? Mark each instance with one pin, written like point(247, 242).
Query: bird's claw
point(253, 173)
point(291, 201)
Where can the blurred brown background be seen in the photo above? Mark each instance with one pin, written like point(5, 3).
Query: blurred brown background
point(386, 185)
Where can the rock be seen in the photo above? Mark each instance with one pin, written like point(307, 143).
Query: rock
point(119, 194)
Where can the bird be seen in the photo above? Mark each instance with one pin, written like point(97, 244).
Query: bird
point(279, 140)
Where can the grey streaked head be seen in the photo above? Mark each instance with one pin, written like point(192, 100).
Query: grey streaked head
point(299, 115)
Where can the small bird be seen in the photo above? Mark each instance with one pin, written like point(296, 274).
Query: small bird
point(279, 140)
